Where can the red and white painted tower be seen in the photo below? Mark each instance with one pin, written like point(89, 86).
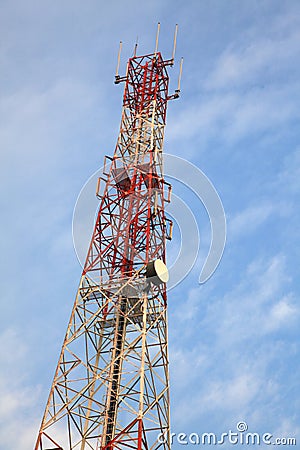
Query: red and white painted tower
point(111, 385)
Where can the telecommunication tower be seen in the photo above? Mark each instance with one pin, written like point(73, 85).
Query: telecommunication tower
point(111, 385)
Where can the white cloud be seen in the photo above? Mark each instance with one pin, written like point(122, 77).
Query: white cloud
point(18, 397)
point(287, 429)
point(283, 313)
point(289, 178)
point(235, 342)
point(232, 394)
point(253, 88)
point(35, 123)
point(249, 219)
point(233, 116)
point(251, 310)
point(239, 66)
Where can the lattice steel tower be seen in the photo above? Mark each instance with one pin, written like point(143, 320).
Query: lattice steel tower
point(111, 385)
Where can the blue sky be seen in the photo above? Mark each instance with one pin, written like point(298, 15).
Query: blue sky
point(234, 341)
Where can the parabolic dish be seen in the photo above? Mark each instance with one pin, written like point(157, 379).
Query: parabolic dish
point(157, 272)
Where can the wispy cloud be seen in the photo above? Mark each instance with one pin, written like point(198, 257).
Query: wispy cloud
point(253, 87)
point(18, 398)
point(248, 63)
point(248, 220)
point(232, 116)
point(288, 179)
point(235, 340)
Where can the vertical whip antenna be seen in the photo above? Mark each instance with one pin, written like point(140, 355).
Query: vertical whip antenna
point(119, 57)
point(180, 73)
point(177, 91)
point(157, 36)
point(136, 46)
point(174, 44)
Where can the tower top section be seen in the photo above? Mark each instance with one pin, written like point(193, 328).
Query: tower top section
point(153, 61)
point(146, 84)
point(146, 94)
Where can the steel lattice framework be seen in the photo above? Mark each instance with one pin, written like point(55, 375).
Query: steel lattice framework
point(111, 385)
